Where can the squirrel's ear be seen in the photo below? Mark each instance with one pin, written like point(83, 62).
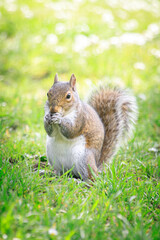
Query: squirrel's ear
point(56, 78)
point(72, 82)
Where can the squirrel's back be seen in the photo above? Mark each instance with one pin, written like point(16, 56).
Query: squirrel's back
point(118, 111)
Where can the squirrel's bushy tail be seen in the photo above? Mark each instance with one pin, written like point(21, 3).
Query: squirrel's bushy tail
point(118, 112)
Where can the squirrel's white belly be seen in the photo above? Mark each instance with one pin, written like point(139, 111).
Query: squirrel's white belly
point(65, 153)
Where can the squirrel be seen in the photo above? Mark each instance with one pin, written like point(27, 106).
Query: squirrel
point(81, 137)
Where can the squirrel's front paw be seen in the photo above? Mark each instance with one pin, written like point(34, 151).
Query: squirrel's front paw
point(48, 118)
point(56, 118)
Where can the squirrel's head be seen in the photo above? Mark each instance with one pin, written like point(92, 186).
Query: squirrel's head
point(62, 96)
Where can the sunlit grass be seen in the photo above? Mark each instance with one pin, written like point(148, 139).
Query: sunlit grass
point(101, 42)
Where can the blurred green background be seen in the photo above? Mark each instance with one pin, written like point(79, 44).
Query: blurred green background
point(97, 40)
point(102, 42)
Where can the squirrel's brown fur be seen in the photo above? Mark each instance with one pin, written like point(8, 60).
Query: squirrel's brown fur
point(118, 111)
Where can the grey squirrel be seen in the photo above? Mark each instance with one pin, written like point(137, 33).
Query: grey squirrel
point(83, 136)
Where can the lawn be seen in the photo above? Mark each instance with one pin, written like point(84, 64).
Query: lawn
point(101, 42)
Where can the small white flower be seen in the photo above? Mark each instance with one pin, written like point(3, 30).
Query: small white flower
point(107, 17)
point(154, 28)
point(26, 11)
point(133, 38)
point(81, 42)
point(60, 28)
point(52, 231)
point(139, 65)
point(131, 25)
point(152, 31)
point(5, 236)
point(153, 149)
point(3, 104)
point(52, 39)
point(155, 52)
point(94, 39)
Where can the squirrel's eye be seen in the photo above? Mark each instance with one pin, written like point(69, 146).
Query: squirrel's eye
point(68, 96)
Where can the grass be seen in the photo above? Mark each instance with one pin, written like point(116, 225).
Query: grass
point(39, 38)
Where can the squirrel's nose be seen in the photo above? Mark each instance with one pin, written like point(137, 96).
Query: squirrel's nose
point(54, 109)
